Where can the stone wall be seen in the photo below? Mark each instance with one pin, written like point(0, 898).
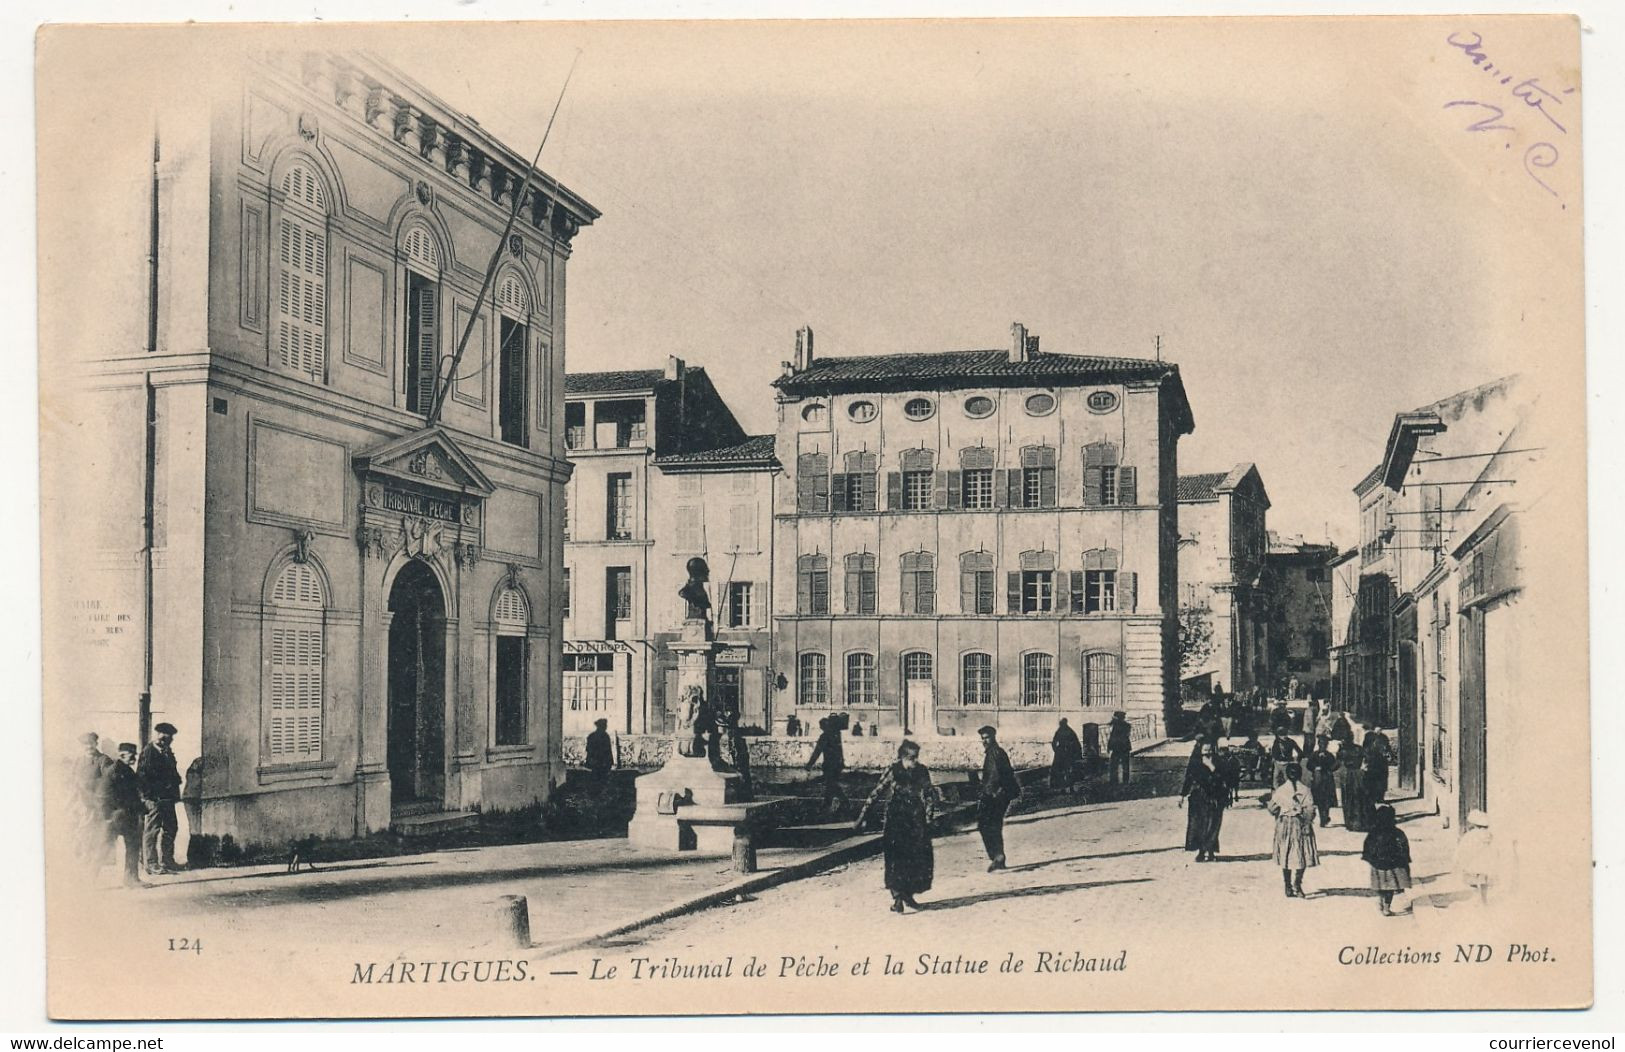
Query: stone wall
point(958, 752)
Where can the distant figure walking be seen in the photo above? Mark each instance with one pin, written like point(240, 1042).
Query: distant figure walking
point(121, 803)
point(1000, 788)
point(829, 749)
point(1119, 746)
point(1322, 767)
point(1283, 751)
point(600, 751)
point(1388, 852)
point(1377, 755)
point(1063, 769)
point(911, 803)
point(1209, 795)
point(1351, 783)
point(1294, 811)
point(160, 780)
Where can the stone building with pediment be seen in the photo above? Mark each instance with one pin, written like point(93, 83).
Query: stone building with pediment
point(331, 549)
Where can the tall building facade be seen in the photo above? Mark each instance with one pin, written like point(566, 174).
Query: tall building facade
point(1297, 586)
point(663, 474)
point(978, 537)
point(1222, 542)
point(343, 602)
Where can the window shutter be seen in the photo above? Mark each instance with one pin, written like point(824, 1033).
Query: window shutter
point(866, 491)
point(806, 493)
point(841, 492)
point(894, 490)
point(925, 596)
point(954, 497)
point(1000, 487)
point(908, 587)
point(851, 591)
point(804, 591)
point(820, 592)
point(1014, 478)
point(820, 492)
point(939, 490)
point(295, 732)
point(1092, 483)
point(984, 591)
point(967, 591)
point(1128, 587)
point(428, 341)
point(1127, 486)
point(1012, 593)
point(867, 581)
point(1046, 487)
point(1077, 591)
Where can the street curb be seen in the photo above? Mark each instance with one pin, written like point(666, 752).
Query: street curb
point(842, 852)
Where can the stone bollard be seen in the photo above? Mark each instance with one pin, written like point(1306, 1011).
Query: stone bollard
point(744, 850)
point(513, 921)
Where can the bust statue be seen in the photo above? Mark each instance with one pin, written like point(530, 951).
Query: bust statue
point(693, 593)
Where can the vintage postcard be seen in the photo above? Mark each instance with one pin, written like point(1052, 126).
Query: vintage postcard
point(590, 519)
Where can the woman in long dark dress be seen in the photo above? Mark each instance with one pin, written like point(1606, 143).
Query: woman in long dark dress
point(1351, 780)
point(911, 801)
point(1209, 795)
point(1322, 767)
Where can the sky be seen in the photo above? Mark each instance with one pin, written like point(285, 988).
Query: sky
point(1318, 239)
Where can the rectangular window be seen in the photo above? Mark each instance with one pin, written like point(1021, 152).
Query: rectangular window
point(860, 584)
point(1037, 680)
point(690, 528)
point(814, 680)
point(618, 526)
point(510, 699)
point(916, 490)
point(1100, 591)
point(812, 483)
point(564, 596)
point(742, 528)
point(422, 342)
point(575, 425)
point(976, 680)
point(564, 499)
point(1032, 482)
point(511, 377)
point(1108, 485)
point(1102, 681)
point(978, 488)
point(619, 425)
point(812, 585)
point(860, 679)
point(919, 584)
point(1037, 591)
point(739, 604)
point(617, 598)
point(916, 669)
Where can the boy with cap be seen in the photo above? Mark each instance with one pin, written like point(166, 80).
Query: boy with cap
point(160, 782)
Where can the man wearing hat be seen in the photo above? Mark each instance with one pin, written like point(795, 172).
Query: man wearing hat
point(88, 770)
point(600, 751)
point(123, 807)
point(1119, 745)
point(160, 784)
point(999, 789)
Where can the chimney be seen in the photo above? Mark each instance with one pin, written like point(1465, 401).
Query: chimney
point(675, 367)
point(1019, 345)
point(804, 348)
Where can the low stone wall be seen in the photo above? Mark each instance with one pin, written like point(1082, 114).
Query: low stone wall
point(957, 752)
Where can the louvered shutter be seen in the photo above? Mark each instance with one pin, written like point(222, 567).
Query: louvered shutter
point(850, 596)
point(954, 495)
point(821, 492)
point(1012, 592)
point(925, 591)
point(806, 491)
point(1128, 592)
point(1001, 493)
point(804, 590)
point(939, 489)
point(1077, 591)
point(820, 591)
point(909, 595)
point(1046, 487)
point(302, 297)
point(866, 491)
point(293, 732)
point(894, 490)
point(967, 591)
point(1015, 479)
point(1128, 491)
point(428, 321)
point(984, 591)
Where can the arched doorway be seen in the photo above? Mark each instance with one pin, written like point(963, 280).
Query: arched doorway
point(417, 690)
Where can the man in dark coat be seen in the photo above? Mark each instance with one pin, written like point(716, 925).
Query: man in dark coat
point(160, 782)
point(600, 751)
point(1119, 746)
point(829, 749)
point(999, 790)
point(121, 803)
point(1376, 755)
point(1068, 751)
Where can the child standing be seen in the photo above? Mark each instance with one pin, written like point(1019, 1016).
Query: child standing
point(1388, 852)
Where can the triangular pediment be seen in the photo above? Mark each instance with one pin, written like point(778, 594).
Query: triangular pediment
point(426, 458)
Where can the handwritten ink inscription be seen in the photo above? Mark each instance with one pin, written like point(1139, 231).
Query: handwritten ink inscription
point(1539, 157)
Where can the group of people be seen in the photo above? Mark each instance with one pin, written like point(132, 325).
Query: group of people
point(130, 799)
point(1335, 763)
point(910, 803)
point(1073, 756)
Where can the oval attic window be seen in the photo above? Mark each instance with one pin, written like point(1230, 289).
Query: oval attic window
point(918, 408)
point(862, 412)
point(1102, 401)
point(978, 405)
point(1040, 404)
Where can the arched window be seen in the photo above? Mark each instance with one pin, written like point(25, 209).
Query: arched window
point(860, 678)
point(855, 489)
point(1102, 680)
point(1105, 482)
point(919, 583)
point(422, 257)
point(976, 583)
point(513, 359)
point(976, 679)
point(812, 584)
point(912, 488)
point(917, 668)
point(974, 480)
point(511, 626)
point(294, 641)
point(814, 679)
point(301, 298)
point(1038, 679)
point(1036, 479)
